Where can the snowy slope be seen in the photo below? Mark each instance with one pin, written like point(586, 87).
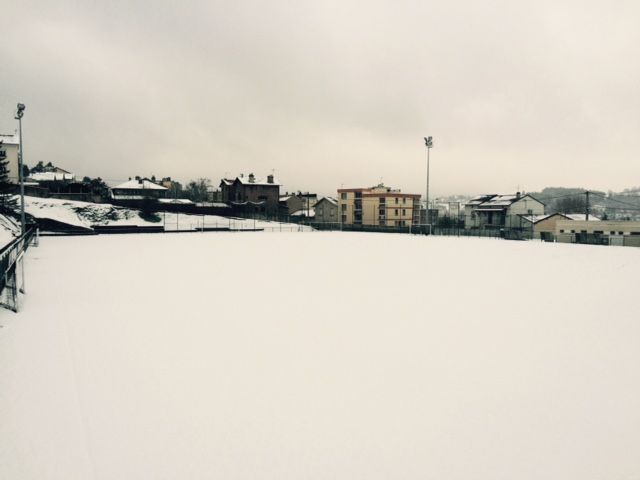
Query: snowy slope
point(88, 215)
point(9, 229)
point(321, 356)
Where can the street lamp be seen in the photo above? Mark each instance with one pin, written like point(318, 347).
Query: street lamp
point(428, 142)
point(19, 114)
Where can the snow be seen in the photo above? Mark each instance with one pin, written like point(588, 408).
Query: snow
point(51, 176)
point(87, 215)
point(139, 184)
point(205, 355)
point(9, 230)
point(246, 180)
point(10, 138)
point(305, 212)
point(581, 217)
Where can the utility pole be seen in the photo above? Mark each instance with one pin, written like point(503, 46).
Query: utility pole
point(587, 206)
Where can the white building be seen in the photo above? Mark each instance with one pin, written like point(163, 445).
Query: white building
point(501, 211)
point(138, 189)
point(10, 145)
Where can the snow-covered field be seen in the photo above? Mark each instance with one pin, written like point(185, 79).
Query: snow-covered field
point(321, 356)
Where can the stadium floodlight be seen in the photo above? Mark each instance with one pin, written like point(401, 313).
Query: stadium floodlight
point(19, 113)
point(428, 142)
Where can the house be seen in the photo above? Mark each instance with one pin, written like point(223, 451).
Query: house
point(10, 144)
point(544, 226)
point(603, 232)
point(378, 206)
point(289, 203)
point(135, 191)
point(309, 200)
point(251, 193)
point(326, 210)
point(501, 211)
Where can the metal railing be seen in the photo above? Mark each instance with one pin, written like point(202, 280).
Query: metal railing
point(10, 256)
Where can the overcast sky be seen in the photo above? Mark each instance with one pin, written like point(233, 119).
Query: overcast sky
point(330, 93)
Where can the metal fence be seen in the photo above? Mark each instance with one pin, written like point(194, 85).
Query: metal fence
point(426, 229)
point(10, 256)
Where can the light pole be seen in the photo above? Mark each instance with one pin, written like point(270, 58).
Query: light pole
point(19, 114)
point(428, 142)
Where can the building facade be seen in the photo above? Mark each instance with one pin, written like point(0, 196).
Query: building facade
point(378, 206)
point(250, 191)
point(327, 210)
point(501, 211)
point(137, 190)
point(604, 232)
point(10, 144)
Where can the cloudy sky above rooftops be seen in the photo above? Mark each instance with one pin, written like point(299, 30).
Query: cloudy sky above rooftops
point(328, 93)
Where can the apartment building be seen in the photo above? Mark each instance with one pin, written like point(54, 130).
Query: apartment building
point(378, 206)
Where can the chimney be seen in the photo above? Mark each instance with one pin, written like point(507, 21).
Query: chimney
point(138, 177)
point(252, 178)
point(269, 178)
point(517, 194)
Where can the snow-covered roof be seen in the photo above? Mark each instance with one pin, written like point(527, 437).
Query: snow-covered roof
point(536, 218)
point(501, 201)
point(480, 199)
point(304, 213)
point(212, 204)
point(284, 198)
point(10, 139)
point(246, 180)
point(331, 200)
point(581, 216)
point(181, 201)
point(142, 184)
point(568, 216)
point(491, 202)
point(51, 176)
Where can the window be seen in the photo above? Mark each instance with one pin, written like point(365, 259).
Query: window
point(404, 212)
point(612, 232)
point(344, 218)
point(343, 196)
point(396, 210)
point(344, 207)
point(383, 200)
point(561, 231)
point(396, 199)
point(404, 200)
point(573, 231)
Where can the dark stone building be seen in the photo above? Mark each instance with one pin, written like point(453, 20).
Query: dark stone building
point(250, 194)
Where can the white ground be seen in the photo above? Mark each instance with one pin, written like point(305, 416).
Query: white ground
point(87, 215)
point(313, 356)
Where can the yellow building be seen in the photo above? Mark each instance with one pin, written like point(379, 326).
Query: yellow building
point(378, 206)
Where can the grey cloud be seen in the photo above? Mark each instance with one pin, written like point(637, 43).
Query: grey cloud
point(330, 93)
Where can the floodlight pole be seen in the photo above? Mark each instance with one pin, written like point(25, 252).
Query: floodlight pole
point(428, 142)
point(19, 114)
